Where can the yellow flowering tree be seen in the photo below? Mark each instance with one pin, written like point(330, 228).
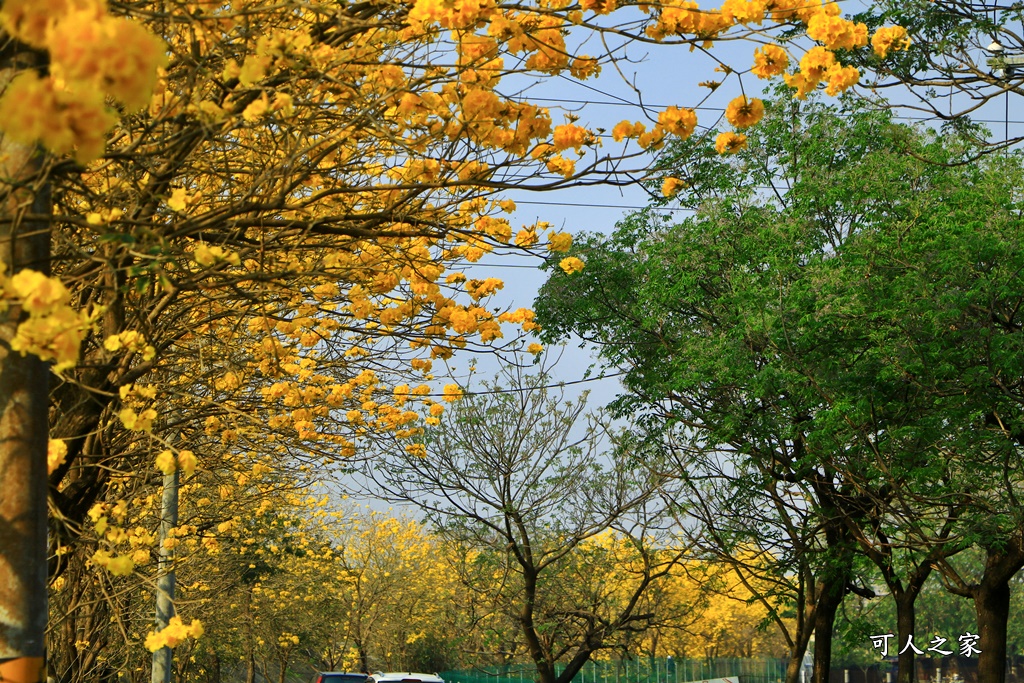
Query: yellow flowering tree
point(223, 215)
point(954, 66)
point(705, 609)
point(734, 621)
point(396, 585)
point(318, 587)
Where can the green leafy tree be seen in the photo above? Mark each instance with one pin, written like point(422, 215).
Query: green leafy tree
point(838, 311)
point(562, 520)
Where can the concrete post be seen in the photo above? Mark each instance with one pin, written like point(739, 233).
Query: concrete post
point(165, 577)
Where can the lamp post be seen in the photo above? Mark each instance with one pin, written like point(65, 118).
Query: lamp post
point(1004, 67)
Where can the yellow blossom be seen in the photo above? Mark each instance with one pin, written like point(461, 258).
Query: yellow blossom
point(562, 166)
point(115, 55)
point(626, 129)
point(679, 122)
point(205, 255)
point(452, 393)
point(801, 84)
point(526, 238)
point(836, 33)
point(417, 450)
point(570, 135)
point(671, 186)
point(55, 336)
point(730, 143)
point(598, 6)
point(816, 63)
point(560, 242)
point(745, 11)
point(56, 453)
point(165, 462)
point(187, 462)
point(256, 109)
point(178, 200)
point(39, 294)
point(771, 60)
point(841, 78)
point(889, 38)
point(571, 265)
point(122, 565)
point(283, 103)
point(743, 112)
point(173, 634)
point(135, 422)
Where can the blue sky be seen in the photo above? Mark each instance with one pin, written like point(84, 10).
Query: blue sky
point(646, 79)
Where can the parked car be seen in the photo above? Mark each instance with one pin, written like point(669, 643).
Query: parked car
point(340, 677)
point(405, 677)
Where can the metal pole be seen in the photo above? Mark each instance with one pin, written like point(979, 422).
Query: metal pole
point(165, 577)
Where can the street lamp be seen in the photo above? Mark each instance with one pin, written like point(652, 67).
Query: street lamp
point(1003, 66)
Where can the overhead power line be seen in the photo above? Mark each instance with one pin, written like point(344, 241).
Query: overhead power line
point(599, 206)
point(650, 105)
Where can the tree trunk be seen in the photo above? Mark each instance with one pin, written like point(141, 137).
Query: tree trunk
point(991, 597)
point(829, 600)
point(906, 617)
point(364, 660)
point(582, 656)
point(806, 611)
point(545, 672)
point(24, 428)
point(992, 606)
point(799, 648)
point(793, 668)
point(545, 668)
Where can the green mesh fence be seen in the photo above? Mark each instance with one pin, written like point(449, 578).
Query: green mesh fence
point(666, 670)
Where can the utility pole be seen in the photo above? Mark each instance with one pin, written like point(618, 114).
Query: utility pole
point(165, 576)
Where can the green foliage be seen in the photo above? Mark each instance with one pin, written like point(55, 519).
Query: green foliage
point(840, 307)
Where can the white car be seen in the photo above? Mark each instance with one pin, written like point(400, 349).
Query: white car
point(405, 677)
